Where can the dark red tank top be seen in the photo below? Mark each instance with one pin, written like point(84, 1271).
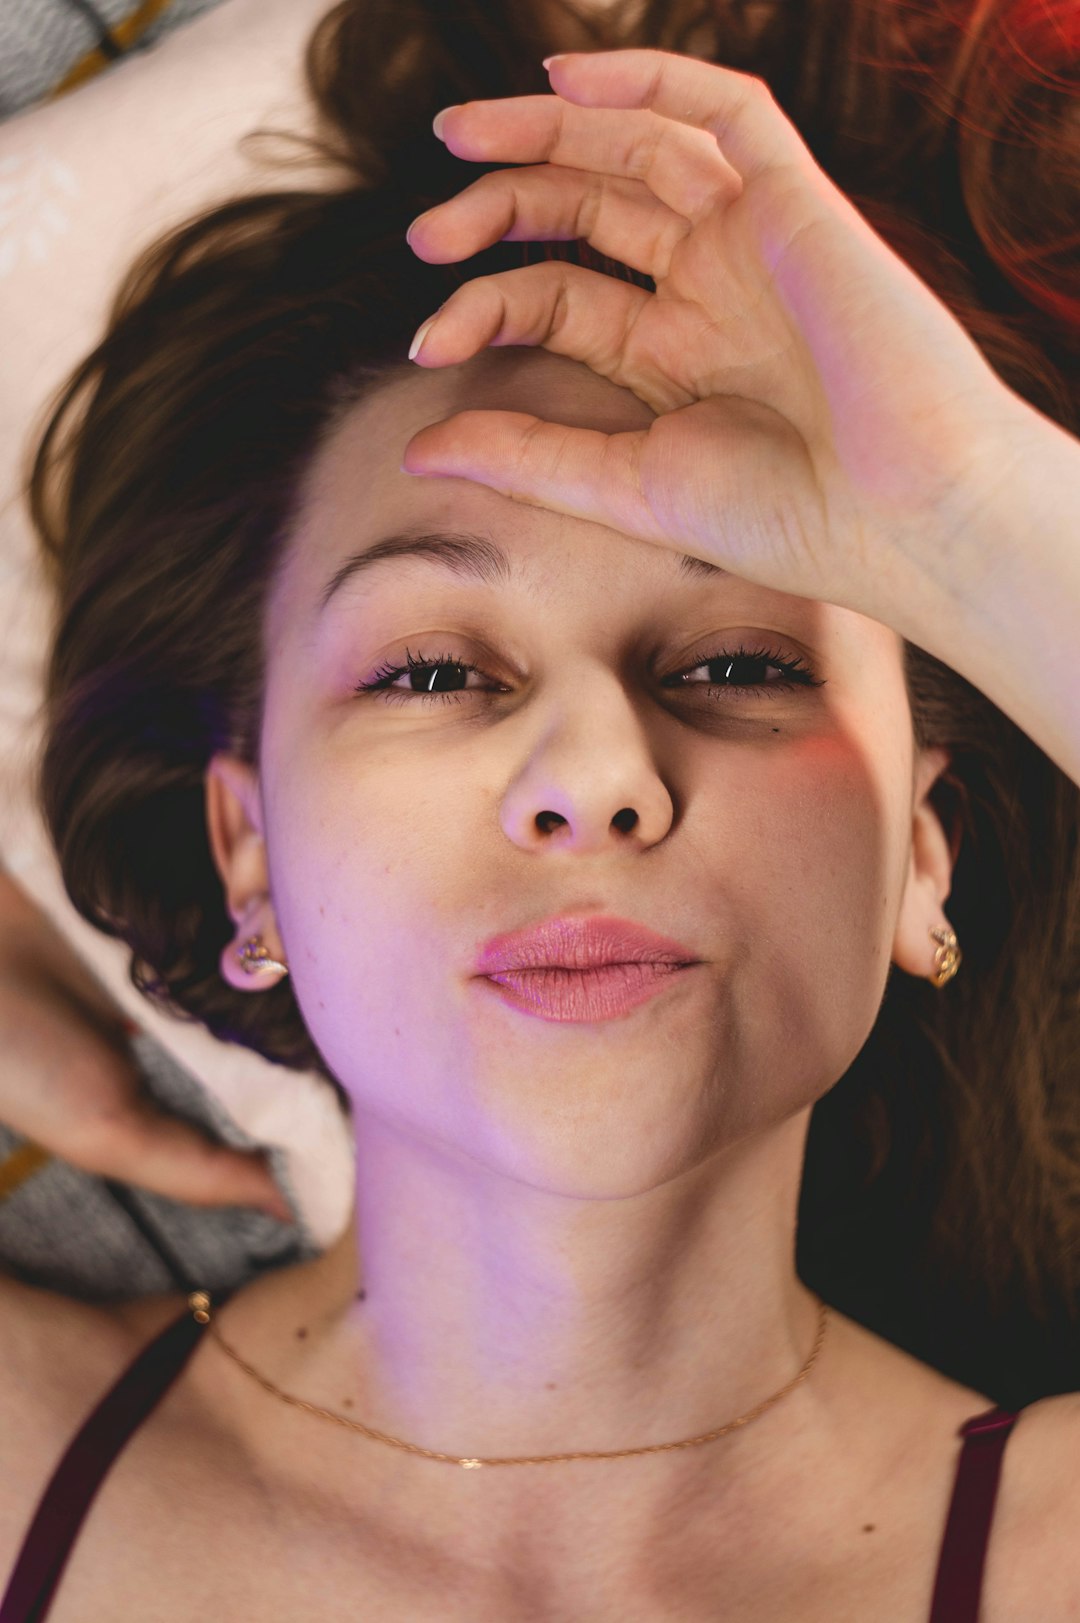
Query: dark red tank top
point(67, 1498)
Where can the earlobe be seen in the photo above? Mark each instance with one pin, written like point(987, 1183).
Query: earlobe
point(248, 964)
point(929, 877)
point(252, 961)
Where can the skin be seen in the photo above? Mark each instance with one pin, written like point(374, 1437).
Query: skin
point(570, 1236)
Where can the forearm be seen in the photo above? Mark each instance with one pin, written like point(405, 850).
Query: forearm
point(1003, 608)
point(33, 952)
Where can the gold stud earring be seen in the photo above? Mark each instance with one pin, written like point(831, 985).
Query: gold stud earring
point(947, 958)
point(254, 956)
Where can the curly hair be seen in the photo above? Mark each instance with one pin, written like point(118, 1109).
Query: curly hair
point(165, 483)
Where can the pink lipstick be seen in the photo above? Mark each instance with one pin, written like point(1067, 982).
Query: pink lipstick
point(582, 968)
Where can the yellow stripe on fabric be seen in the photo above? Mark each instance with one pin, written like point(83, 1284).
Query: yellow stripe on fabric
point(20, 1165)
point(124, 33)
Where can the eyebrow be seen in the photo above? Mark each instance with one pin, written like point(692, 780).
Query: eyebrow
point(469, 557)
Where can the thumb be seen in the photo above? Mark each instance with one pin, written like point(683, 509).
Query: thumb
point(726, 479)
point(579, 471)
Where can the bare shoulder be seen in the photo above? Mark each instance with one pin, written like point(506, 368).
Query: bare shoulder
point(49, 1340)
point(1047, 1445)
point(1033, 1561)
point(58, 1357)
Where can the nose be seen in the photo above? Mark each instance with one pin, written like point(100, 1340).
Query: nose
point(593, 780)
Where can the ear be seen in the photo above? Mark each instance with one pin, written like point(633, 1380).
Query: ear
point(934, 848)
point(235, 827)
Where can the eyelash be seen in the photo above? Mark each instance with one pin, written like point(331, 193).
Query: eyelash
point(796, 674)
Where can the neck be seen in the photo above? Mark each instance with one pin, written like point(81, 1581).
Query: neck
point(499, 1319)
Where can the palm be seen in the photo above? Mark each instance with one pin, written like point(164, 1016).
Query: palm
point(715, 321)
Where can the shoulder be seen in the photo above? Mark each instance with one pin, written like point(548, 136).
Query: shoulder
point(1033, 1560)
point(59, 1355)
point(1044, 1462)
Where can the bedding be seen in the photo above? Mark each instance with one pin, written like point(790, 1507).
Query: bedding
point(86, 181)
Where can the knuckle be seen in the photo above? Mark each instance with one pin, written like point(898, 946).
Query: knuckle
point(560, 310)
point(590, 208)
point(656, 79)
point(757, 92)
point(635, 152)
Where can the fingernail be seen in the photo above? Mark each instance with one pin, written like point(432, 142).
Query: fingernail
point(421, 334)
point(561, 57)
point(440, 118)
point(415, 223)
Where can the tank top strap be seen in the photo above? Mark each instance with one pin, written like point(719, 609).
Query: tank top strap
point(70, 1491)
point(958, 1586)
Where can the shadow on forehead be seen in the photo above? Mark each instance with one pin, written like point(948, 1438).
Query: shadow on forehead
point(518, 378)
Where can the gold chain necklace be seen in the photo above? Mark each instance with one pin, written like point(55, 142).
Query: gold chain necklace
point(199, 1302)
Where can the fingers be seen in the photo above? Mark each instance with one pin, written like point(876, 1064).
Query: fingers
point(682, 167)
point(561, 307)
point(739, 110)
point(75, 1092)
point(632, 185)
point(579, 471)
point(620, 218)
point(143, 1146)
point(728, 480)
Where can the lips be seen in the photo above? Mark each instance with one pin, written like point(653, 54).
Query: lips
point(584, 994)
point(577, 942)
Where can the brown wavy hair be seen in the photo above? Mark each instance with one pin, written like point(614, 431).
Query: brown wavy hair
point(945, 1165)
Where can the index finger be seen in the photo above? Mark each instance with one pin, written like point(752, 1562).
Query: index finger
point(753, 133)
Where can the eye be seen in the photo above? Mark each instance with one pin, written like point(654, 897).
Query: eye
point(738, 670)
point(731, 670)
point(426, 670)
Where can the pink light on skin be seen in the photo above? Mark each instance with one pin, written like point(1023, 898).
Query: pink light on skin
point(570, 1234)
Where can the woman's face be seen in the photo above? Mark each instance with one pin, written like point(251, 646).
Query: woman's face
point(773, 833)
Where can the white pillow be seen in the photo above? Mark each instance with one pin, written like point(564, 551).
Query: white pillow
point(86, 182)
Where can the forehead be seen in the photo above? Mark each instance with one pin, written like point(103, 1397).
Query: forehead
point(356, 493)
point(511, 379)
point(359, 467)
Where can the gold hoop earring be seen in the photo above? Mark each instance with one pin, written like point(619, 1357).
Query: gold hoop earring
point(253, 956)
point(947, 958)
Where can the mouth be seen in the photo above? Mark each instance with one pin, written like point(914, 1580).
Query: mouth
point(581, 943)
point(600, 992)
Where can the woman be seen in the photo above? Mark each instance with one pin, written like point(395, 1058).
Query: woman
point(436, 679)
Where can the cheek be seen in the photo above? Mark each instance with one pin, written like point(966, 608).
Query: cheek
point(374, 875)
point(828, 803)
point(816, 884)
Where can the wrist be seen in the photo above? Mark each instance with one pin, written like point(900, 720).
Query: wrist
point(998, 597)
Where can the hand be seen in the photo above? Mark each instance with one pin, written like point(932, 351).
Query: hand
point(69, 1085)
point(824, 422)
